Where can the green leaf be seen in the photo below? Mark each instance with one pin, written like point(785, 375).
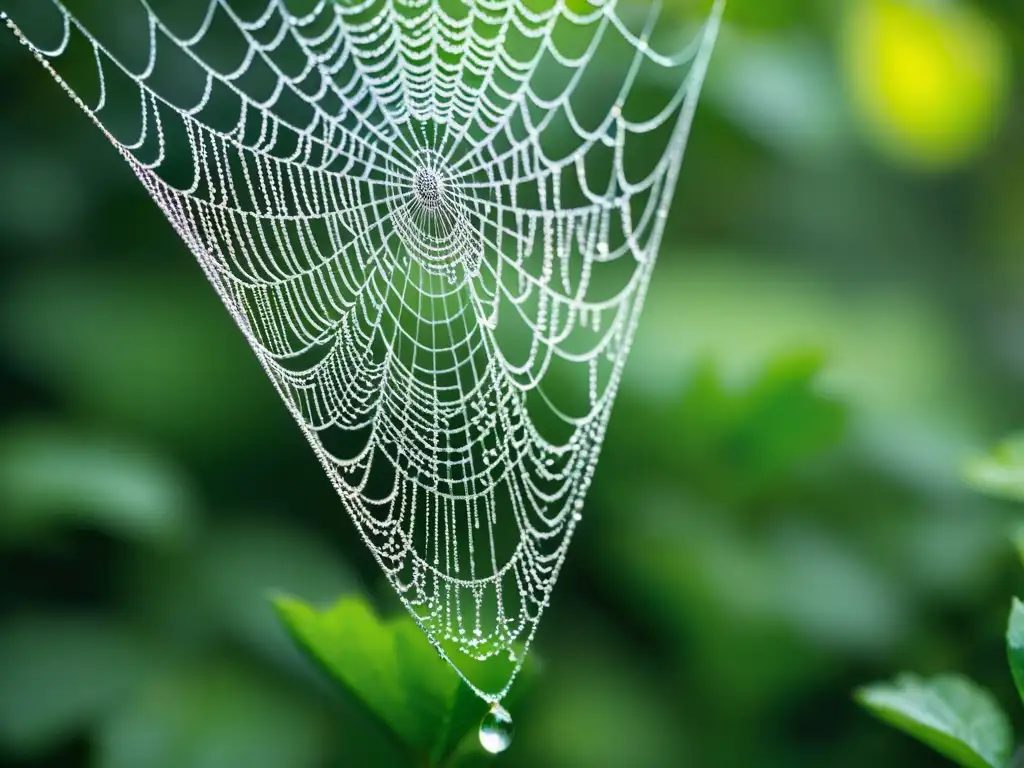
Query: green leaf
point(780, 92)
point(394, 672)
point(240, 563)
point(735, 439)
point(214, 715)
point(1017, 537)
point(1015, 644)
point(60, 674)
point(949, 713)
point(1001, 473)
point(783, 419)
point(153, 372)
point(50, 474)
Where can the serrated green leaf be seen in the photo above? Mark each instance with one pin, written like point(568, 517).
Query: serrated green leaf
point(394, 672)
point(949, 713)
point(1001, 472)
point(1015, 644)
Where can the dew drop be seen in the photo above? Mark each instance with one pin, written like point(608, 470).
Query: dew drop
point(496, 730)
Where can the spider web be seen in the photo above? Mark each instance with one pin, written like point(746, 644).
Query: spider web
point(435, 223)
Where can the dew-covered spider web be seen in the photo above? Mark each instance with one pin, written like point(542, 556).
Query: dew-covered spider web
point(435, 222)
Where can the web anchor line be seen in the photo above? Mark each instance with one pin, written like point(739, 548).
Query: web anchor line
point(435, 225)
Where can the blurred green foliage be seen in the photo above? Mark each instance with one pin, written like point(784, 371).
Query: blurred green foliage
point(834, 327)
point(951, 713)
point(1002, 472)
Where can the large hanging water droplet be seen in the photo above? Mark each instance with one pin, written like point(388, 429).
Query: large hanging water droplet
point(496, 730)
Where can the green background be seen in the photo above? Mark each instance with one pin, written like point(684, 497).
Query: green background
point(836, 324)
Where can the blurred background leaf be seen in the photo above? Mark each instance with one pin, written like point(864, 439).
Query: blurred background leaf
point(929, 79)
point(51, 475)
point(213, 716)
point(1015, 644)
point(59, 674)
point(1001, 473)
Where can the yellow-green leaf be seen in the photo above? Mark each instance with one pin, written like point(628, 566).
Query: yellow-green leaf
point(1001, 472)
